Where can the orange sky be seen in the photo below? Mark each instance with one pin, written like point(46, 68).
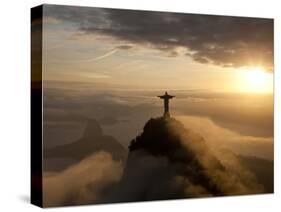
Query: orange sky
point(75, 49)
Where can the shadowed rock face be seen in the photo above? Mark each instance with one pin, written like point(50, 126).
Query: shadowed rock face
point(167, 137)
point(93, 140)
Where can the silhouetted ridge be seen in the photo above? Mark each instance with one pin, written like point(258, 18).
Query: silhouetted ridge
point(167, 137)
point(156, 137)
point(92, 141)
point(92, 127)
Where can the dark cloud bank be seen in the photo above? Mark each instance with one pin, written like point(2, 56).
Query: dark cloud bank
point(166, 161)
point(222, 40)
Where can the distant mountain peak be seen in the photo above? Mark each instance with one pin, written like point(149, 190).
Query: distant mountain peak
point(92, 127)
point(166, 136)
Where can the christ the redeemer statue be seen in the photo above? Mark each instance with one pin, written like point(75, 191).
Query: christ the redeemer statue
point(166, 97)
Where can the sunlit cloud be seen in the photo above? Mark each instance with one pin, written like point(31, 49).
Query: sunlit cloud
point(220, 40)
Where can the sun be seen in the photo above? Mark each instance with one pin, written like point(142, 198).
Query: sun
point(256, 80)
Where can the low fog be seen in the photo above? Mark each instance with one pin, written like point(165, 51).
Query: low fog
point(165, 161)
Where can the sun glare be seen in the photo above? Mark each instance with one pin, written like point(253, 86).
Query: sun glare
point(256, 80)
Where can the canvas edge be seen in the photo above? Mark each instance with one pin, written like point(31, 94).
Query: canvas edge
point(36, 106)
